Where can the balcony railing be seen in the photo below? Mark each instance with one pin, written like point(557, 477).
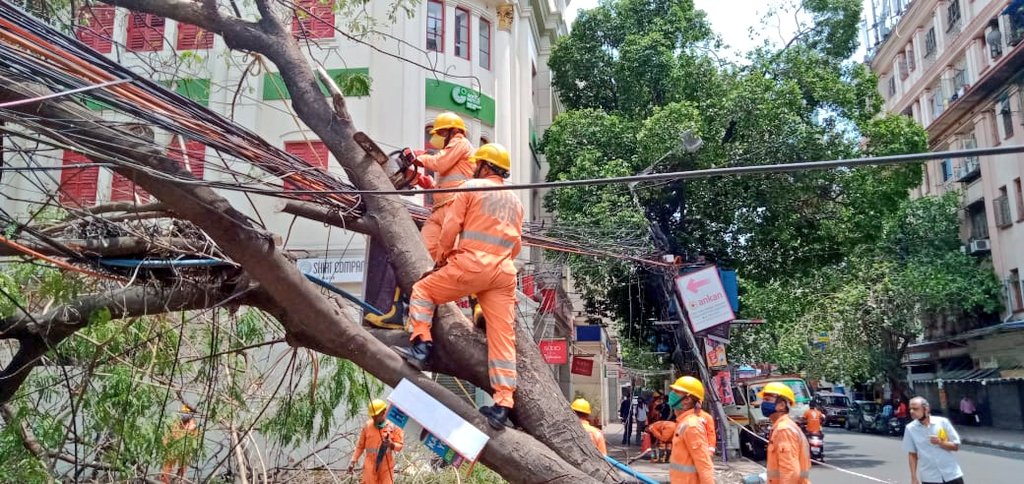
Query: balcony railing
point(969, 170)
point(1002, 211)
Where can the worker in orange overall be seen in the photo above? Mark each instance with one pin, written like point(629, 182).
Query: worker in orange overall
point(690, 462)
point(183, 444)
point(709, 425)
point(660, 435)
point(380, 439)
point(489, 227)
point(582, 408)
point(789, 457)
point(453, 165)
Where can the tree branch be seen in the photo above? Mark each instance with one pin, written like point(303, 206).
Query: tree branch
point(37, 333)
point(311, 320)
point(363, 225)
point(111, 247)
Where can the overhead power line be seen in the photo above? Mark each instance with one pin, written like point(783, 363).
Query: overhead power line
point(713, 172)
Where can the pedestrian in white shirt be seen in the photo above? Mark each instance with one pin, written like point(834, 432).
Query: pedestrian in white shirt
point(930, 442)
point(641, 419)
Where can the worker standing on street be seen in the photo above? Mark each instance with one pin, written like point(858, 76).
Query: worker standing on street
point(453, 165)
point(380, 439)
point(789, 457)
point(489, 227)
point(690, 462)
point(582, 408)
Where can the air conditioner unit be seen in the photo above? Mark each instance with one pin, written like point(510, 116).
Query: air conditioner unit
point(980, 245)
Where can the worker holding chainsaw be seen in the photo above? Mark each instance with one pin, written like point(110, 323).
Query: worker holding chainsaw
point(480, 237)
point(453, 166)
point(380, 440)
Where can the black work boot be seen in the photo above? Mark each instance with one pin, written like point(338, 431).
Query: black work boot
point(416, 355)
point(497, 416)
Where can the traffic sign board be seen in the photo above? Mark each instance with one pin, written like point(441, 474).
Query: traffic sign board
point(705, 300)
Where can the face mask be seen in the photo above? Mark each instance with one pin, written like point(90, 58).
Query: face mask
point(767, 408)
point(380, 424)
point(437, 141)
point(675, 401)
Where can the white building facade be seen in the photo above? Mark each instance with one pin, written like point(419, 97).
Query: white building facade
point(485, 60)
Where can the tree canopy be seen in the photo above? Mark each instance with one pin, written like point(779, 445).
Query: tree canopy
point(629, 99)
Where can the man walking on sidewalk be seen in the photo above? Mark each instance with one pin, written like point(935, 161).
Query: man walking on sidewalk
point(930, 442)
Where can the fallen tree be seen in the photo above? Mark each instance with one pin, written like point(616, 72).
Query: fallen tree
point(556, 448)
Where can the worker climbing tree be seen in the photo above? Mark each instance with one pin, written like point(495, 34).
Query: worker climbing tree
point(488, 226)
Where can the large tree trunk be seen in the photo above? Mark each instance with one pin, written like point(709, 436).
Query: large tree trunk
point(313, 321)
point(539, 409)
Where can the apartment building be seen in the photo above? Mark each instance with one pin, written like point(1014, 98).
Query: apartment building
point(955, 67)
point(484, 59)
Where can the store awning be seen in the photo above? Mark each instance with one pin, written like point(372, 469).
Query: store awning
point(987, 375)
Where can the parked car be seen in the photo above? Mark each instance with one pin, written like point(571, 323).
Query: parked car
point(835, 406)
point(861, 415)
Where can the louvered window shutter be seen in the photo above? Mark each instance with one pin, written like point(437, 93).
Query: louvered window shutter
point(95, 26)
point(77, 186)
point(196, 156)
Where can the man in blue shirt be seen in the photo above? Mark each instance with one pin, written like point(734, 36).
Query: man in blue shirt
point(930, 442)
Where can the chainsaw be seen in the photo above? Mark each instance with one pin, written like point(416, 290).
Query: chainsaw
point(406, 171)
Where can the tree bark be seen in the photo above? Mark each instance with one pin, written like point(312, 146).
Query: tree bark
point(538, 399)
point(38, 333)
point(312, 321)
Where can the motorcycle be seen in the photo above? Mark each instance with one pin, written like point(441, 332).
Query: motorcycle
point(816, 441)
point(896, 426)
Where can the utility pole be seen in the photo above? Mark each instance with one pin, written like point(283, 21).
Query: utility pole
point(683, 332)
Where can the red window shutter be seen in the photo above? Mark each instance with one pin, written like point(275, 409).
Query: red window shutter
point(313, 19)
point(191, 37)
point(196, 156)
point(528, 286)
point(95, 27)
point(124, 190)
point(145, 32)
point(314, 153)
point(548, 299)
point(78, 185)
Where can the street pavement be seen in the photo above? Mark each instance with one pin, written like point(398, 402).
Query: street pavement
point(883, 457)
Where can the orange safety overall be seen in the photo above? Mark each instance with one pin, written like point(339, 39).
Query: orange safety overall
point(453, 168)
point(369, 440)
point(709, 428)
point(789, 458)
point(489, 227)
point(813, 417)
point(596, 436)
point(662, 431)
point(690, 462)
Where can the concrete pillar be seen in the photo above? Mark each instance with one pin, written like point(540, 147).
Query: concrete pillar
point(503, 109)
point(975, 61)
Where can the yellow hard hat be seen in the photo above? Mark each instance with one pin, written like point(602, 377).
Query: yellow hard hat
point(581, 405)
point(447, 120)
point(780, 389)
point(494, 154)
point(186, 409)
point(690, 385)
point(377, 406)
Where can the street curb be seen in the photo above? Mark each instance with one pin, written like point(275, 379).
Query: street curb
point(993, 444)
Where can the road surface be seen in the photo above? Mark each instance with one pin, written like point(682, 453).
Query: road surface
point(883, 457)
